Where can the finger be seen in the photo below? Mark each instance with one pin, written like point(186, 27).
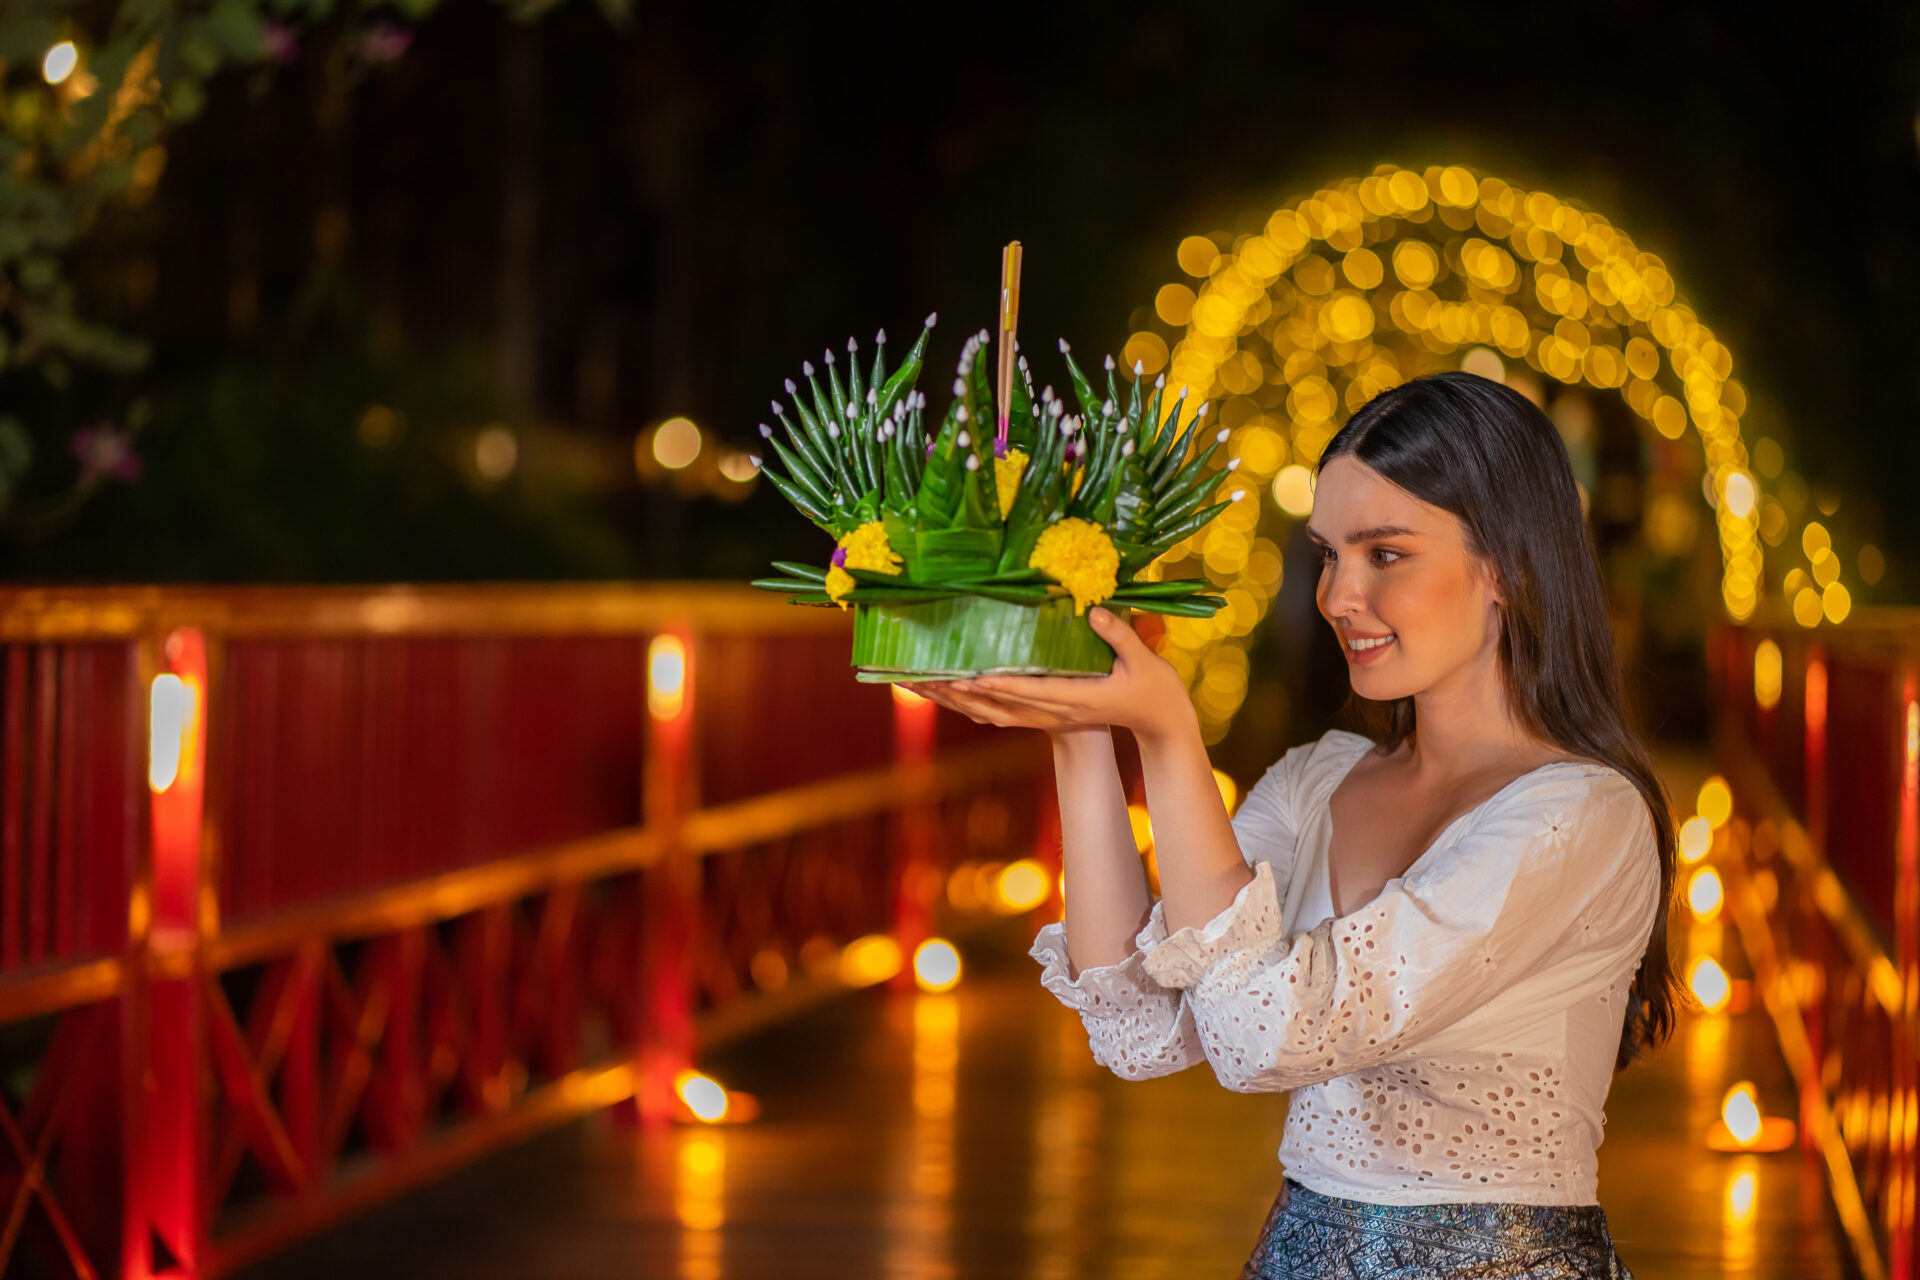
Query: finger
point(1006, 713)
point(1036, 692)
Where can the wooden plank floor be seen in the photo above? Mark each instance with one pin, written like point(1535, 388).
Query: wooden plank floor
point(972, 1136)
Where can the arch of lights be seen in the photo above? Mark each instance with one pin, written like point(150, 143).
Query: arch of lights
point(1376, 280)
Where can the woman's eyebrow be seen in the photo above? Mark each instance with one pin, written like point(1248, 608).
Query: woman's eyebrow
point(1369, 535)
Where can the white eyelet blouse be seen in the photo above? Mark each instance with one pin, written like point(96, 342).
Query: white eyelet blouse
point(1453, 1039)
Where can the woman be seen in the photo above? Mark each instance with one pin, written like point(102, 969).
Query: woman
point(1442, 936)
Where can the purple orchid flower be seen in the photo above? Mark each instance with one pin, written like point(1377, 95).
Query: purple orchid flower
point(839, 557)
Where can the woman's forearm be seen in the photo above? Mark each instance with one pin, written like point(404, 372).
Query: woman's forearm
point(1201, 865)
point(1107, 899)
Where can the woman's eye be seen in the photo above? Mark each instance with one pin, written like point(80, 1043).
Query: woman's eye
point(1391, 556)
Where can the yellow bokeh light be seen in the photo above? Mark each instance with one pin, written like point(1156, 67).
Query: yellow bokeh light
point(1293, 490)
point(1767, 673)
point(936, 965)
point(60, 62)
point(1363, 269)
point(704, 1096)
point(1695, 839)
point(1740, 1112)
point(1709, 984)
point(1146, 349)
point(1836, 602)
point(1715, 802)
point(1174, 303)
point(170, 709)
point(1705, 894)
point(1370, 281)
point(1806, 607)
point(1197, 254)
point(1743, 1199)
point(666, 676)
point(495, 452)
point(1815, 540)
point(873, 958)
point(676, 443)
point(1415, 263)
point(1023, 885)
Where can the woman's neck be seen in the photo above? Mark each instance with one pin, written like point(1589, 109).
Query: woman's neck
point(1464, 724)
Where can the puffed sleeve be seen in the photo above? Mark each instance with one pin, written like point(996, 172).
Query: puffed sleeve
point(1569, 845)
point(1137, 1027)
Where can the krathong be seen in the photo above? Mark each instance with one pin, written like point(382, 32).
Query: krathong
point(975, 542)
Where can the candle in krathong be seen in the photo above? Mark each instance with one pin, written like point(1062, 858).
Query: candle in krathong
point(1009, 321)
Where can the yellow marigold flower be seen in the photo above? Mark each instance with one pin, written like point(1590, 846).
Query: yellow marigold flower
point(1080, 556)
point(1006, 478)
point(863, 548)
point(866, 548)
point(839, 582)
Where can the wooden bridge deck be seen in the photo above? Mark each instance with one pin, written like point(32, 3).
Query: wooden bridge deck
point(973, 1137)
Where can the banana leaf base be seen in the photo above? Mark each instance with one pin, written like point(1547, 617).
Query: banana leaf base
point(975, 636)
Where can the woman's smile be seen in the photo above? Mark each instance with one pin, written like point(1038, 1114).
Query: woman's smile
point(1364, 649)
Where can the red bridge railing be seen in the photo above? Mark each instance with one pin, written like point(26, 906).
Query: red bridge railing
point(1819, 735)
point(307, 895)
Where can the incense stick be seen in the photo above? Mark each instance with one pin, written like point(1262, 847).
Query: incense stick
point(1009, 319)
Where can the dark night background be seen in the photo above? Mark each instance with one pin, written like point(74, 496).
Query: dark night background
point(577, 231)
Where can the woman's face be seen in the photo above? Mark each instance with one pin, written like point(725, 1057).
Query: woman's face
point(1408, 600)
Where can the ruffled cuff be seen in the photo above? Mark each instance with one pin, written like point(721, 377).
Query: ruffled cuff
point(1101, 991)
point(1251, 920)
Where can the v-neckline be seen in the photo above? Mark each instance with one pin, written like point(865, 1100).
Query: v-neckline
point(1326, 845)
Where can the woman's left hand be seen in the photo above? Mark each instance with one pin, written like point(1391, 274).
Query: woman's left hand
point(1143, 693)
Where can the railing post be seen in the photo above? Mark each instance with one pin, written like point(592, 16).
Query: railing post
point(165, 1216)
point(670, 889)
point(917, 881)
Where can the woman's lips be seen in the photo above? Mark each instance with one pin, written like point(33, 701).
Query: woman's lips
point(1373, 653)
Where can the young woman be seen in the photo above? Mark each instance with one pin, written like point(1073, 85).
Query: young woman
point(1442, 936)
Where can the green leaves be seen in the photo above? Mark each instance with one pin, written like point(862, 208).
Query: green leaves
point(1133, 471)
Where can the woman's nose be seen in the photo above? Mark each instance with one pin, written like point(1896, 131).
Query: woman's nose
point(1341, 593)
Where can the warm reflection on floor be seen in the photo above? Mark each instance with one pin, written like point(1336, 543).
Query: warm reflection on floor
point(969, 1136)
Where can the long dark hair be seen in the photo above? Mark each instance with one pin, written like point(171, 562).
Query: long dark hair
point(1486, 453)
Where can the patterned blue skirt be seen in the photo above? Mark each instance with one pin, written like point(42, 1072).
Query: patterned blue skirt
point(1309, 1236)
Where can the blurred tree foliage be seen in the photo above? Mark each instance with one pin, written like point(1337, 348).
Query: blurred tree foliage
point(88, 93)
